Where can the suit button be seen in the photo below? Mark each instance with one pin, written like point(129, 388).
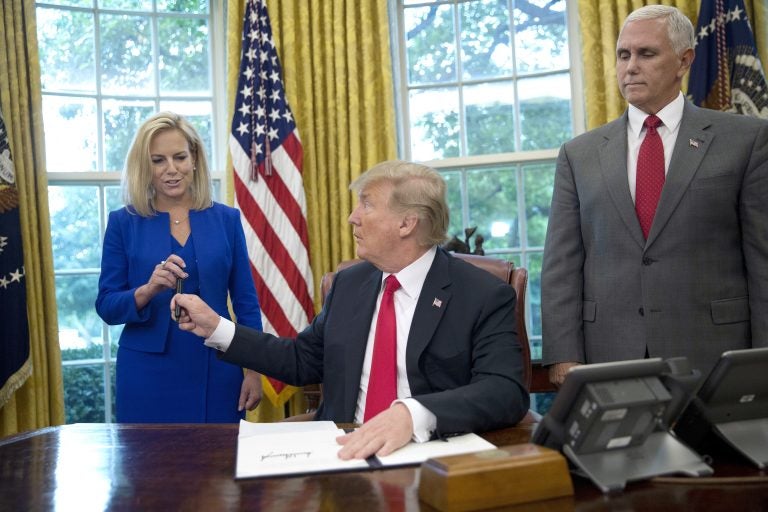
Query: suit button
point(641, 311)
point(648, 261)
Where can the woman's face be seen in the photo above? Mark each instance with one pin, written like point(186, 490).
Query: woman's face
point(173, 166)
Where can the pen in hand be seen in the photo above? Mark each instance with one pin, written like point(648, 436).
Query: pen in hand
point(179, 289)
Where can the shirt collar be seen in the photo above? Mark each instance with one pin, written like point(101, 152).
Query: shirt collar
point(412, 277)
point(670, 115)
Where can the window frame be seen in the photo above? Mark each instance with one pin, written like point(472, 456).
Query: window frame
point(517, 159)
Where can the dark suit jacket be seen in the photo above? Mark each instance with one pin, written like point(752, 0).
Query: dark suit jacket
point(463, 360)
point(698, 286)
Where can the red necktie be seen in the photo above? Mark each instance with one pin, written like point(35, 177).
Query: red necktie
point(382, 384)
point(650, 174)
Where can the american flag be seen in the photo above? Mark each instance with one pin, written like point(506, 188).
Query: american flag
point(726, 73)
point(15, 363)
point(269, 191)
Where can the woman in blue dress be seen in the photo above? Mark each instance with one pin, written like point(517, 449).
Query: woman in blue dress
point(170, 228)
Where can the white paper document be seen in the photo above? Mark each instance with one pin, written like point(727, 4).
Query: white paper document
point(273, 449)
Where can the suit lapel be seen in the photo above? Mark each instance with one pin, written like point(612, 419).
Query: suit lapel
point(613, 164)
point(362, 306)
point(430, 307)
point(693, 141)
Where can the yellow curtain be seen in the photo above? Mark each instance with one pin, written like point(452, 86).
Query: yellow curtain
point(337, 70)
point(40, 401)
point(758, 18)
point(599, 24)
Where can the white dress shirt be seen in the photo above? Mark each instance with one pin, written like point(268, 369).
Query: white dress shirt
point(411, 280)
point(670, 116)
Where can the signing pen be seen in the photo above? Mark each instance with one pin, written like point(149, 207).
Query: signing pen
point(179, 289)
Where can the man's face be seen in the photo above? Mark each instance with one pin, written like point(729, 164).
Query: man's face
point(648, 69)
point(375, 226)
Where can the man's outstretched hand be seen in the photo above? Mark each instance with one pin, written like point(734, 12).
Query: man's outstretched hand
point(196, 316)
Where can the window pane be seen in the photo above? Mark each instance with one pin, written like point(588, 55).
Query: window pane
point(121, 121)
point(70, 133)
point(73, 3)
point(514, 257)
point(114, 337)
point(534, 299)
point(541, 38)
point(430, 44)
point(126, 5)
point(539, 182)
point(84, 393)
point(114, 198)
point(65, 40)
point(434, 115)
point(126, 54)
point(79, 326)
point(492, 198)
point(545, 111)
point(490, 118)
point(75, 227)
point(183, 59)
point(485, 45)
point(200, 6)
point(453, 194)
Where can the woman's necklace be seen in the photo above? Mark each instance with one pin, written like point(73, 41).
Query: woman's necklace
point(177, 222)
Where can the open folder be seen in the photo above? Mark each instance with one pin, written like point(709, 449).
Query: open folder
point(292, 448)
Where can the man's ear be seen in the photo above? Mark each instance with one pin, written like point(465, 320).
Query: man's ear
point(685, 61)
point(408, 225)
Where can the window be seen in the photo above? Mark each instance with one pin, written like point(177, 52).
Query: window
point(484, 95)
point(106, 65)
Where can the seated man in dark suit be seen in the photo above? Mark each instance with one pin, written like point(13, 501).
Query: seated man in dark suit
point(453, 363)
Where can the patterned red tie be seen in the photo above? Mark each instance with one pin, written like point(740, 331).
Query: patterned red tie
point(382, 384)
point(650, 174)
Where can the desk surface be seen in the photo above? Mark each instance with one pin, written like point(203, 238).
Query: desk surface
point(191, 467)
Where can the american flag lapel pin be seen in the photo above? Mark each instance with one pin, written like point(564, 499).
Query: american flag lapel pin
point(437, 303)
point(693, 143)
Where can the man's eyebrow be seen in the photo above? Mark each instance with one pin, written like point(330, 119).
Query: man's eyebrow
point(641, 49)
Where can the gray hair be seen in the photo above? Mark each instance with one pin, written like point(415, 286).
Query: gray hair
point(679, 27)
point(417, 188)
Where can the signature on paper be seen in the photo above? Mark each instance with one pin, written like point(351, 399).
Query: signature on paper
point(285, 456)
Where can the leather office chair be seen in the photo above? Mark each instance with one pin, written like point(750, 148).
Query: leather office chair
point(503, 269)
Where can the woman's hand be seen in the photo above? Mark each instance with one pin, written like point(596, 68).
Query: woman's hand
point(163, 277)
point(250, 391)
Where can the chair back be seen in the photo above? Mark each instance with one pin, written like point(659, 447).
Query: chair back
point(504, 270)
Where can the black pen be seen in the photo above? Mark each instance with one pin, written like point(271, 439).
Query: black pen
point(179, 289)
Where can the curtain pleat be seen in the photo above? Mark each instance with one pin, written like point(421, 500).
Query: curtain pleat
point(40, 401)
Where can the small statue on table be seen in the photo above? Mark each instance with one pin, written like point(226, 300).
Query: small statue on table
point(463, 247)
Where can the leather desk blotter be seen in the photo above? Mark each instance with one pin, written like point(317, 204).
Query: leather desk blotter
point(508, 475)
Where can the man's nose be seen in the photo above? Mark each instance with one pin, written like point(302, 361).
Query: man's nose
point(632, 64)
point(353, 218)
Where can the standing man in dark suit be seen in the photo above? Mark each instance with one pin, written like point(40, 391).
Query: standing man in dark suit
point(690, 279)
point(459, 366)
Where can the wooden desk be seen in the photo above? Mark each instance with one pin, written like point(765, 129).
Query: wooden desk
point(190, 467)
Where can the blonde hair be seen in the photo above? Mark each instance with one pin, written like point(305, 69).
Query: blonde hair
point(418, 189)
point(138, 192)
